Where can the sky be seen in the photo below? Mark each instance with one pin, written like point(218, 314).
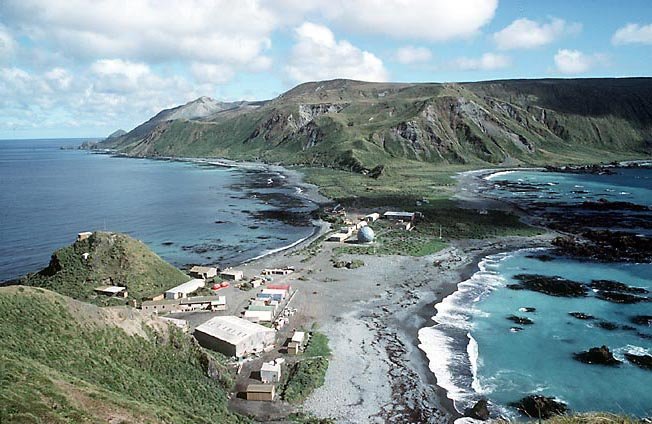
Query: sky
point(84, 68)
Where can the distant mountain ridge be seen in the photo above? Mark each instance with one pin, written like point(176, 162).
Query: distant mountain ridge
point(359, 125)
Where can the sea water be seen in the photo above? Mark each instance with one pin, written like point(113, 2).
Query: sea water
point(476, 352)
point(185, 212)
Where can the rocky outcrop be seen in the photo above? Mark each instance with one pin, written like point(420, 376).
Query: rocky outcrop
point(581, 315)
point(552, 286)
point(520, 320)
point(479, 411)
point(537, 406)
point(641, 361)
point(597, 356)
point(644, 320)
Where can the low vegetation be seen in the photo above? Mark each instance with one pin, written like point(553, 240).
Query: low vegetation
point(593, 418)
point(309, 372)
point(113, 259)
point(64, 361)
point(440, 218)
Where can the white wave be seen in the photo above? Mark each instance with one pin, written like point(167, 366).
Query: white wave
point(454, 360)
point(619, 352)
point(280, 249)
point(473, 351)
point(497, 174)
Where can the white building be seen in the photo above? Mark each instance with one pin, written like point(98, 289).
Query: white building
point(232, 274)
point(204, 272)
point(372, 217)
point(270, 372)
point(185, 289)
point(299, 337)
point(234, 336)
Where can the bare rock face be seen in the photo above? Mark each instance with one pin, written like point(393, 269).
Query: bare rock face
point(480, 410)
point(537, 406)
point(597, 356)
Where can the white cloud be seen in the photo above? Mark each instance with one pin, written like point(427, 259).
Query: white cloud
point(211, 73)
point(431, 20)
point(59, 78)
point(410, 54)
point(219, 31)
point(576, 62)
point(633, 33)
point(486, 62)
point(317, 55)
point(526, 34)
point(7, 43)
point(106, 92)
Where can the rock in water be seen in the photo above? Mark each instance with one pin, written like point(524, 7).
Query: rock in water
point(641, 361)
point(581, 315)
point(616, 286)
point(597, 355)
point(537, 406)
point(618, 297)
point(552, 286)
point(480, 410)
point(644, 320)
point(520, 320)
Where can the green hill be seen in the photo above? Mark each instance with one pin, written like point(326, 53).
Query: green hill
point(358, 125)
point(114, 259)
point(65, 361)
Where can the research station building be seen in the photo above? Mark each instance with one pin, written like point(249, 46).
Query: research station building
point(234, 336)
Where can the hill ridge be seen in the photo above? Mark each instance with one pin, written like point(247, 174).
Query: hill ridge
point(359, 125)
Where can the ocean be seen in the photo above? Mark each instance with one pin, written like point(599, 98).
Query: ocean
point(188, 213)
point(476, 352)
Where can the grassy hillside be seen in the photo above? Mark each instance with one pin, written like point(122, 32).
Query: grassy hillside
point(64, 361)
point(115, 259)
point(358, 126)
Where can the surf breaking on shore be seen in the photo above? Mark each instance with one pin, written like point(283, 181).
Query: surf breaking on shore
point(451, 350)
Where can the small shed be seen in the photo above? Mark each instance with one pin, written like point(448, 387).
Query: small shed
point(232, 274)
point(399, 216)
point(261, 392)
point(204, 272)
point(285, 287)
point(203, 303)
point(299, 337)
point(278, 271)
point(270, 372)
point(84, 235)
point(185, 289)
point(162, 306)
point(372, 217)
point(117, 291)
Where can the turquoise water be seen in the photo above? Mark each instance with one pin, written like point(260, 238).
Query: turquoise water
point(475, 352)
point(185, 212)
point(627, 185)
point(538, 359)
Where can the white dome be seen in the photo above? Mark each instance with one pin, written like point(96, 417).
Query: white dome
point(365, 235)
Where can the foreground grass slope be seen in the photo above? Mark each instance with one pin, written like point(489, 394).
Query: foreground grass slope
point(358, 126)
point(114, 259)
point(64, 361)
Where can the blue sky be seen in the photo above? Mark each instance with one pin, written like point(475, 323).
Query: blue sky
point(83, 68)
